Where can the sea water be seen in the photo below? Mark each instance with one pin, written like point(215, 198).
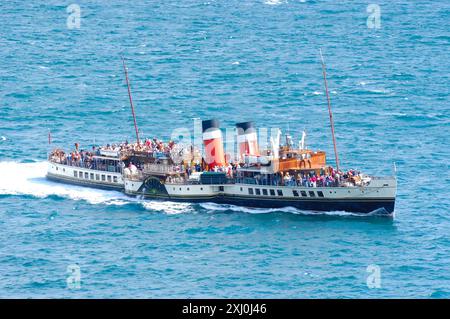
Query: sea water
point(388, 73)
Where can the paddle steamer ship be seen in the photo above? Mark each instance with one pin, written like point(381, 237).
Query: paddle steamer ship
point(278, 177)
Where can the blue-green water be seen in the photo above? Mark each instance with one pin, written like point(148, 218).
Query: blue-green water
point(233, 60)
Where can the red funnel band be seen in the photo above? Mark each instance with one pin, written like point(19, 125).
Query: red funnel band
point(248, 144)
point(214, 154)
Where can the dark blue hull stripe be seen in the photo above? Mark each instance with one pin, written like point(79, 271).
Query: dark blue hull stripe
point(84, 183)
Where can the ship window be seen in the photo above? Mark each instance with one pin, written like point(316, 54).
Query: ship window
point(86, 175)
point(103, 178)
point(303, 193)
point(320, 194)
point(258, 191)
point(80, 174)
point(115, 179)
point(241, 189)
point(272, 192)
point(75, 174)
point(279, 192)
point(220, 188)
point(56, 167)
point(92, 175)
point(64, 169)
point(312, 194)
point(250, 191)
point(295, 193)
point(97, 177)
point(109, 178)
point(264, 192)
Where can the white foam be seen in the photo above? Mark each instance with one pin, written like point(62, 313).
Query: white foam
point(3, 138)
point(168, 207)
point(275, 2)
point(29, 179)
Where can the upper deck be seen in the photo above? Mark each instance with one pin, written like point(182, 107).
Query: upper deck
point(88, 160)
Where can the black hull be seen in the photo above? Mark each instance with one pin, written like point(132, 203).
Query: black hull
point(383, 207)
point(380, 206)
point(83, 183)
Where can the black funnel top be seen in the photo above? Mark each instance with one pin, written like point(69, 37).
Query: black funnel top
point(207, 124)
point(246, 127)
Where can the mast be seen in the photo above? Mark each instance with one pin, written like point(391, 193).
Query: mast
point(131, 101)
point(329, 110)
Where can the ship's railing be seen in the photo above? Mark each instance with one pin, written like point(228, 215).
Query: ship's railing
point(93, 165)
point(134, 177)
point(381, 177)
point(159, 168)
point(295, 183)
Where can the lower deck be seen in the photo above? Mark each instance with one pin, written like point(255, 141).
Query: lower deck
point(85, 177)
point(379, 196)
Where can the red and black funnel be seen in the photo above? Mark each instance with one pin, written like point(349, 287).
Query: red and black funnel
point(212, 140)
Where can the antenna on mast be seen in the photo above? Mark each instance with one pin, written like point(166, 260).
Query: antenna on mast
point(329, 109)
point(131, 100)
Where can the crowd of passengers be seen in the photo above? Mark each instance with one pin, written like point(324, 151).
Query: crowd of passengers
point(83, 158)
point(328, 178)
point(155, 147)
